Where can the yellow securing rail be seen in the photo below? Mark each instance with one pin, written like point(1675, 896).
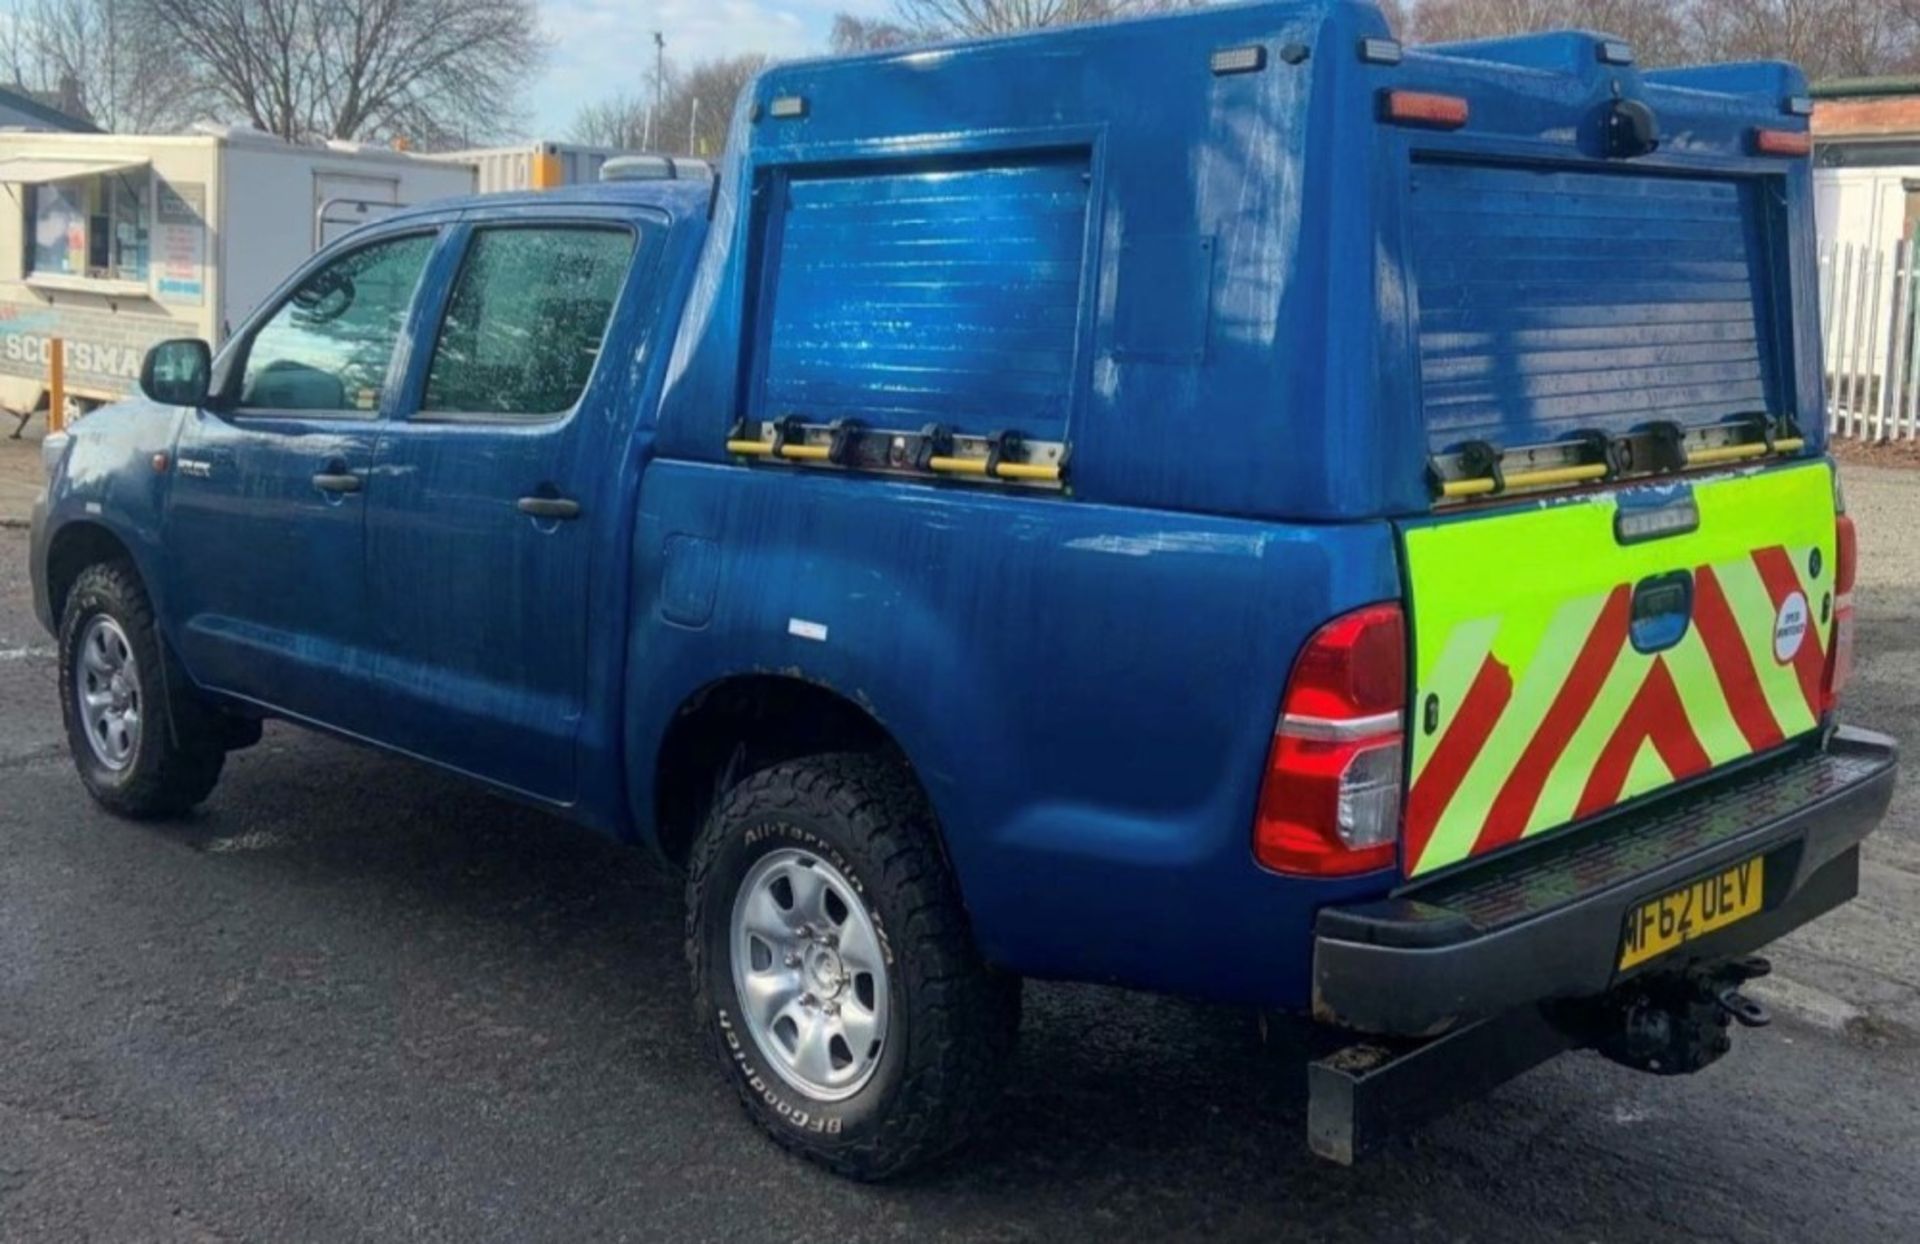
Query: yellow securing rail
point(765, 449)
point(1526, 479)
point(1002, 470)
point(1738, 453)
point(1481, 486)
point(931, 450)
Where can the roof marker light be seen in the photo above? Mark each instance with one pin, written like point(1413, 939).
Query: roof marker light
point(1381, 52)
point(1249, 59)
point(1615, 52)
point(1444, 112)
point(788, 107)
point(1793, 144)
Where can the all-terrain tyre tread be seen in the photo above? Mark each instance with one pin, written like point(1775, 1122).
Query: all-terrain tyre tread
point(963, 1016)
point(180, 761)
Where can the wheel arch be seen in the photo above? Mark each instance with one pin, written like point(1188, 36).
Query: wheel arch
point(740, 723)
point(76, 546)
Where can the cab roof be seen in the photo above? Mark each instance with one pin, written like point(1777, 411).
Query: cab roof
point(678, 197)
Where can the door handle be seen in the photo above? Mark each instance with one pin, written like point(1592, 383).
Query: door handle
point(332, 481)
point(549, 507)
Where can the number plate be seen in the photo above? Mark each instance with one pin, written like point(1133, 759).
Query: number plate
point(1672, 920)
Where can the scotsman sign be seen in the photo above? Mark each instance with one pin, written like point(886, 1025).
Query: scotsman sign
point(104, 348)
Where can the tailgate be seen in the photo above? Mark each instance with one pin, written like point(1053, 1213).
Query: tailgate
point(1577, 652)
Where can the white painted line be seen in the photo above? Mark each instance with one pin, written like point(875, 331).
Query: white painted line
point(25, 654)
point(800, 628)
point(1815, 1006)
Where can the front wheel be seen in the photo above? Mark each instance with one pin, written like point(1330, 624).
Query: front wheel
point(833, 969)
point(136, 757)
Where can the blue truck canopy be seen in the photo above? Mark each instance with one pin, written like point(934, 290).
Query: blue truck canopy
point(1197, 251)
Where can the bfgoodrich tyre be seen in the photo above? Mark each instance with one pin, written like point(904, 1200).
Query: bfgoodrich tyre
point(144, 747)
point(833, 970)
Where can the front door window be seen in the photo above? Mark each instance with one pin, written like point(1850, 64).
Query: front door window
point(329, 346)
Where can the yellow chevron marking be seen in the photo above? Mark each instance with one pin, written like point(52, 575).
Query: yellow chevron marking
point(1543, 667)
point(1706, 703)
point(1648, 772)
point(1753, 610)
point(1448, 676)
point(1569, 778)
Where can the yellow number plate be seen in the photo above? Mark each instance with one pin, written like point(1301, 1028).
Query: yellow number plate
point(1673, 920)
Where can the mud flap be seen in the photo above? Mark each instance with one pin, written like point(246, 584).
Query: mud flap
point(1360, 1096)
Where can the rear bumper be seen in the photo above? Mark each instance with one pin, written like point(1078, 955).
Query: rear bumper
point(1547, 924)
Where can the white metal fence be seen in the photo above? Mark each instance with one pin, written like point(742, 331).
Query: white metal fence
point(1870, 315)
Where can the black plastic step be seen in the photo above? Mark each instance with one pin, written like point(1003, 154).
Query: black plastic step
point(1615, 850)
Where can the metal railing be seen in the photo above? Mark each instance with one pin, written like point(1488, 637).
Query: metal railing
point(1870, 324)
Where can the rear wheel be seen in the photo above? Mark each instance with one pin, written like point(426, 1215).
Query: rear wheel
point(143, 745)
point(833, 970)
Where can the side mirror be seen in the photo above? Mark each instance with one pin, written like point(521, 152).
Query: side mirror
point(178, 372)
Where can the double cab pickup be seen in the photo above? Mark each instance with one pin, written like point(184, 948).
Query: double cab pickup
point(1220, 504)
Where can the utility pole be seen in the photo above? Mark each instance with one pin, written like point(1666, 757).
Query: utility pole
point(113, 54)
point(693, 125)
point(659, 80)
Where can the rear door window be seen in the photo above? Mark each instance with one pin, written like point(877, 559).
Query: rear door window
point(524, 325)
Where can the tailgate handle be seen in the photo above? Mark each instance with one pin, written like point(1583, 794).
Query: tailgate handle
point(1662, 611)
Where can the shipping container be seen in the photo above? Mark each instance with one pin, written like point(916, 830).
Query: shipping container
point(533, 166)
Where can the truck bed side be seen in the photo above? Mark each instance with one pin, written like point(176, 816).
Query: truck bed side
point(1085, 691)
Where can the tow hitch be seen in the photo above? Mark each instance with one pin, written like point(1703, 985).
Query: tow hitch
point(1675, 1025)
point(1669, 1024)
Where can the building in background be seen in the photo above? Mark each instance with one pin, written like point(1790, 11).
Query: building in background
point(112, 242)
point(1867, 204)
point(1867, 162)
point(47, 111)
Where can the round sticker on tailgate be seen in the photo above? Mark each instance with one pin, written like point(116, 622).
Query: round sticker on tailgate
point(1790, 628)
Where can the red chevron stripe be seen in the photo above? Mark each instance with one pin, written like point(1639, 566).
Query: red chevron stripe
point(1732, 660)
point(1656, 713)
point(1810, 663)
point(1479, 712)
point(1512, 808)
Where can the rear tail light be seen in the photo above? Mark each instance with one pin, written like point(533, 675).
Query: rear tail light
point(1330, 804)
point(1846, 566)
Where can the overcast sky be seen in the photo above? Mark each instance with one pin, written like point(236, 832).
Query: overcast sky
point(605, 46)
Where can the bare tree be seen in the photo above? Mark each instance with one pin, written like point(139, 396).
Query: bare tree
point(98, 59)
point(1658, 29)
point(616, 121)
point(918, 21)
point(694, 118)
point(967, 18)
point(1828, 38)
point(866, 34)
point(701, 105)
point(434, 71)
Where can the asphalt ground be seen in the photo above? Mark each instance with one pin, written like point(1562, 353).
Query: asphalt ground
point(356, 999)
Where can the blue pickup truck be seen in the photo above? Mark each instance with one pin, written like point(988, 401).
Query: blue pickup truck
point(1219, 504)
